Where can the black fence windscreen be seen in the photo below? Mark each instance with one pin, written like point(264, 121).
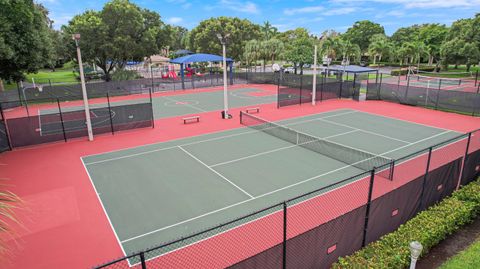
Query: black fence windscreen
point(4, 143)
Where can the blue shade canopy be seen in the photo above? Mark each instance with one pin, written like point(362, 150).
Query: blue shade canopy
point(199, 57)
point(350, 68)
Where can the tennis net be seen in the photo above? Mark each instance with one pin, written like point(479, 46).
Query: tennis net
point(360, 159)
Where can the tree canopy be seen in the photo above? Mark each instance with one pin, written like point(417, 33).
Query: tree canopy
point(120, 32)
point(203, 38)
point(361, 32)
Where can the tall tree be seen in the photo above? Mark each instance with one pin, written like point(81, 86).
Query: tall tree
point(433, 35)
point(203, 38)
point(252, 52)
point(361, 32)
point(379, 47)
point(300, 52)
point(25, 41)
point(348, 50)
point(268, 31)
point(120, 32)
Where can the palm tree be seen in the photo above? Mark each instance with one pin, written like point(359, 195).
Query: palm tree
point(349, 50)
point(273, 48)
point(379, 47)
point(419, 50)
point(406, 53)
point(268, 30)
point(252, 52)
point(330, 47)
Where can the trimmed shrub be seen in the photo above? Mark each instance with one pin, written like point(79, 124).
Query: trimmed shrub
point(429, 227)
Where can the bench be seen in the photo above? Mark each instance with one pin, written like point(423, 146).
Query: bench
point(191, 119)
point(253, 109)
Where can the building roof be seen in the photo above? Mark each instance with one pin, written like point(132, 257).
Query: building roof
point(199, 57)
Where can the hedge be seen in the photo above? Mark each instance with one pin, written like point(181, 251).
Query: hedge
point(429, 227)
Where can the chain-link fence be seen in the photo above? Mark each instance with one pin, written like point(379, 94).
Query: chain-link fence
point(434, 96)
point(314, 229)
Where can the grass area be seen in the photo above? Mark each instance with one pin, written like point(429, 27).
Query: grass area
point(469, 258)
point(452, 72)
point(61, 75)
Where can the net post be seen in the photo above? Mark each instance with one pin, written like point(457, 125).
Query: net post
point(110, 113)
point(392, 169)
point(278, 92)
point(464, 161)
point(367, 211)
point(142, 260)
point(61, 120)
point(284, 254)
point(425, 177)
point(241, 117)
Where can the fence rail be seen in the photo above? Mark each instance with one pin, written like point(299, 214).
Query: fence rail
point(314, 229)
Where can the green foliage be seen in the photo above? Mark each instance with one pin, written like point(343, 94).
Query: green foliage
point(300, 52)
point(120, 32)
point(428, 227)
point(122, 74)
point(25, 41)
point(203, 38)
point(361, 32)
point(379, 47)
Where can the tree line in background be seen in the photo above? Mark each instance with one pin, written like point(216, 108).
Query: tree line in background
point(122, 31)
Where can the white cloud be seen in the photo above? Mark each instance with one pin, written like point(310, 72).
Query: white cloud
point(244, 7)
point(420, 3)
point(339, 11)
point(174, 20)
point(303, 10)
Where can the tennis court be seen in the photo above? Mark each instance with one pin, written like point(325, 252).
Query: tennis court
point(448, 84)
point(161, 192)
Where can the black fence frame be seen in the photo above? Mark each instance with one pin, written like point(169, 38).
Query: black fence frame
point(459, 170)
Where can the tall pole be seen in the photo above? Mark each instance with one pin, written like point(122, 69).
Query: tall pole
point(314, 88)
point(76, 37)
point(225, 92)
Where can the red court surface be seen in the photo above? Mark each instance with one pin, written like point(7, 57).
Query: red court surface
point(63, 224)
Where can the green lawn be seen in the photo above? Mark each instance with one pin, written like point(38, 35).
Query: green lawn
point(61, 75)
point(469, 258)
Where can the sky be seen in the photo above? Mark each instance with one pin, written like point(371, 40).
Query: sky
point(316, 16)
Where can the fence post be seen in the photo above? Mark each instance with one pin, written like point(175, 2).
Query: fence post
point(367, 213)
point(142, 260)
point(464, 161)
point(61, 120)
point(476, 78)
point(278, 92)
point(7, 134)
point(110, 113)
point(406, 91)
point(379, 86)
point(284, 263)
point(438, 93)
point(151, 75)
point(19, 94)
point(301, 89)
point(321, 86)
point(425, 178)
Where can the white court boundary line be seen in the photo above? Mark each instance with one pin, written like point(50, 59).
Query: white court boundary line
point(191, 143)
point(213, 170)
point(277, 190)
point(104, 210)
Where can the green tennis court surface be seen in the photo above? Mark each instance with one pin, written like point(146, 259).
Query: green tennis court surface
point(161, 192)
point(190, 103)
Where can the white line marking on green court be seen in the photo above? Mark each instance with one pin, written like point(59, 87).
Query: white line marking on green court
point(383, 116)
point(213, 170)
point(274, 150)
point(103, 207)
point(271, 192)
point(185, 144)
point(189, 105)
point(365, 131)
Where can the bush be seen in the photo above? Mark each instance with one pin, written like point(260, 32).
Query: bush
point(428, 227)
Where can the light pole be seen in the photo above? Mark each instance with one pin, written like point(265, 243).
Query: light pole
point(415, 251)
point(314, 88)
point(223, 40)
point(76, 37)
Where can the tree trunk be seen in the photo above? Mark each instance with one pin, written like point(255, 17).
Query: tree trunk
point(374, 59)
point(264, 64)
point(1, 86)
